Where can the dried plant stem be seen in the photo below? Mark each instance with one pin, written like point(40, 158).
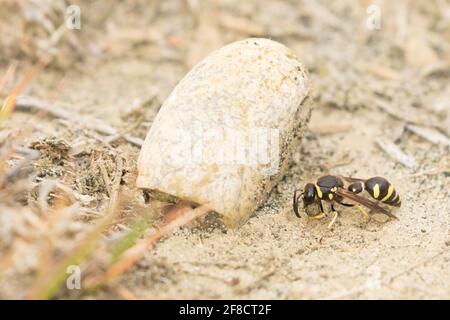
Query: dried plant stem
point(49, 282)
point(132, 255)
point(11, 100)
point(396, 153)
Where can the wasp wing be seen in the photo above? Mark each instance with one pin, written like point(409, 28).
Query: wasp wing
point(350, 179)
point(365, 202)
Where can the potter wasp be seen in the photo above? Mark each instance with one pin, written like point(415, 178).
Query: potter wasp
point(331, 188)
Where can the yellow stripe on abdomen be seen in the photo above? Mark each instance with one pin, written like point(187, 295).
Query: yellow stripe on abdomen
point(376, 191)
point(389, 193)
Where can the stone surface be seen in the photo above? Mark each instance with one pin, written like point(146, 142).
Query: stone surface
point(225, 135)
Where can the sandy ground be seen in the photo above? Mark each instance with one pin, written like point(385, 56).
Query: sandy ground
point(368, 84)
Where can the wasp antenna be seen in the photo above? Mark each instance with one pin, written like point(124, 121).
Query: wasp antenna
point(295, 202)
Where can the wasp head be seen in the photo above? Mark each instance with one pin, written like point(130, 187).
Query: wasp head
point(310, 202)
point(309, 194)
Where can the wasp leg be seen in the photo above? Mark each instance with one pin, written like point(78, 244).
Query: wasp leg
point(364, 212)
point(330, 225)
point(347, 204)
point(318, 217)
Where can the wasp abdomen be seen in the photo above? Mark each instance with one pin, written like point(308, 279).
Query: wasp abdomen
point(382, 190)
point(356, 187)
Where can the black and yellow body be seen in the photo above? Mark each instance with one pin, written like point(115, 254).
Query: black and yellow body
point(379, 188)
point(332, 189)
point(326, 188)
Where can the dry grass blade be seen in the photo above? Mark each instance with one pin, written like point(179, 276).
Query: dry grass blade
point(132, 255)
point(49, 282)
point(7, 108)
point(137, 232)
point(432, 135)
point(396, 153)
point(8, 75)
point(10, 102)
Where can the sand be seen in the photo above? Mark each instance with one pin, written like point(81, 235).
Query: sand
point(367, 84)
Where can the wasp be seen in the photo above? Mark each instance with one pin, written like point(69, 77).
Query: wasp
point(331, 188)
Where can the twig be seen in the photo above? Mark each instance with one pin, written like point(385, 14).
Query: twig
point(135, 253)
point(429, 134)
point(396, 153)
